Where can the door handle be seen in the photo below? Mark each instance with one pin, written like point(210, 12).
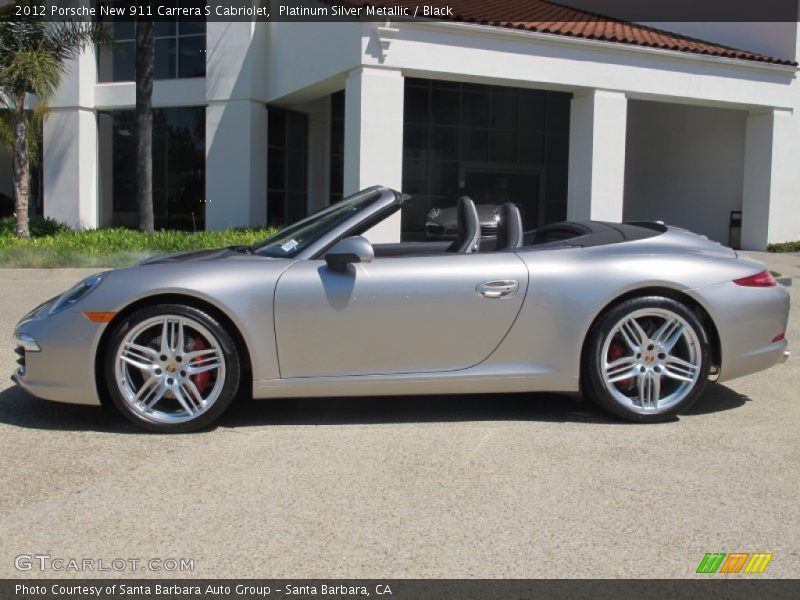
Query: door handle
point(502, 288)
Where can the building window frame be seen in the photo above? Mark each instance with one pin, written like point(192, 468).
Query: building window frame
point(177, 31)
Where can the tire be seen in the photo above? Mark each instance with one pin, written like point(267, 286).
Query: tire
point(171, 368)
point(647, 359)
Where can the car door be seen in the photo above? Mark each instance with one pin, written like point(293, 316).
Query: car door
point(396, 315)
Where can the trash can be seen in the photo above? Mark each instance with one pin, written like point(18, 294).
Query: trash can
point(735, 230)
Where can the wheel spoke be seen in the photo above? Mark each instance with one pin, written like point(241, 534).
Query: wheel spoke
point(139, 356)
point(172, 336)
point(677, 368)
point(185, 403)
point(201, 361)
point(150, 393)
point(621, 368)
point(632, 333)
point(649, 389)
point(192, 393)
point(668, 334)
point(180, 343)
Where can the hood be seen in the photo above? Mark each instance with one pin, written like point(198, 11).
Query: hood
point(195, 256)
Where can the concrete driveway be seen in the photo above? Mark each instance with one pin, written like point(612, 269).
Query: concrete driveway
point(473, 486)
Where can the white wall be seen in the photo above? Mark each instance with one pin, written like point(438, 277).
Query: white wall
point(236, 126)
point(307, 60)
point(597, 156)
point(684, 166)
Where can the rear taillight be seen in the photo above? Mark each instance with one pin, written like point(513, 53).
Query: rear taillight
point(763, 279)
point(779, 337)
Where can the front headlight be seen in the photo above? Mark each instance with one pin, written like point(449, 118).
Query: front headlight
point(76, 293)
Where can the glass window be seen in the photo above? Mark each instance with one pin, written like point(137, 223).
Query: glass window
point(191, 56)
point(337, 147)
point(287, 166)
point(504, 111)
point(481, 139)
point(180, 49)
point(290, 241)
point(415, 104)
point(444, 106)
point(165, 59)
point(475, 109)
point(178, 167)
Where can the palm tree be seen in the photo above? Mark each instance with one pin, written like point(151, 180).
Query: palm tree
point(145, 65)
point(33, 56)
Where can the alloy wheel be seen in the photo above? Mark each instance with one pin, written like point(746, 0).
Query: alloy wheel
point(169, 369)
point(651, 360)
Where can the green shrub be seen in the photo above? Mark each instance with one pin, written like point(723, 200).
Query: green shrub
point(112, 247)
point(39, 226)
point(784, 247)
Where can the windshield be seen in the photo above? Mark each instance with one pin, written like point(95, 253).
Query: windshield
point(292, 240)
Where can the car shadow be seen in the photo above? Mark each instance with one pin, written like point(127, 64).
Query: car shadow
point(717, 398)
point(20, 409)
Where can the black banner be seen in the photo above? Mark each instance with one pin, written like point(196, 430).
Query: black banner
point(484, 11)
point(398, 589)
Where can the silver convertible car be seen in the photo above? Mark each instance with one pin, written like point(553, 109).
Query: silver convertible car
point(637, 317)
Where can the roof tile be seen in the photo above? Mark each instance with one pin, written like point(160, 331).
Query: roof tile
point(545, 16)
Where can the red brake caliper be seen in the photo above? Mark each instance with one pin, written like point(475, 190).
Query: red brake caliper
point(200, 380)
point(615, 351)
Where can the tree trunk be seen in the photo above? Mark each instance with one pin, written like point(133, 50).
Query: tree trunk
point(145, 65)
point(22, 168)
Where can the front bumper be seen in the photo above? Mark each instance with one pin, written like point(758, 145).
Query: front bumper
point(56, 356)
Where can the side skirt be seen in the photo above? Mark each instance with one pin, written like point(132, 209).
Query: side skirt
point(476, 380)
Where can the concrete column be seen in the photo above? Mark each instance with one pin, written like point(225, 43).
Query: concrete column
point(236, 164)
point(598, 122)
point(70, 167)
point(373, 138)
point(236, 126)
point(769, 196)
point(70, 147)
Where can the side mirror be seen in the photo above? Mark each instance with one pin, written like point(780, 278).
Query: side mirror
point(348, 251)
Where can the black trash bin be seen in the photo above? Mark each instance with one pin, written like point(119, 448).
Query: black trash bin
point(735, 230)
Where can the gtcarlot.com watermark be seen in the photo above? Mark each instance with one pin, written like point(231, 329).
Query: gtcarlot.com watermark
point(62, 564)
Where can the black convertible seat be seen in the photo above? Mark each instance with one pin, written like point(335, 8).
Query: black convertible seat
point(509, 229)
point(469, 227)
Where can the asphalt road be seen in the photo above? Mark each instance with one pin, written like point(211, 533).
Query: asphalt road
point(470, 486)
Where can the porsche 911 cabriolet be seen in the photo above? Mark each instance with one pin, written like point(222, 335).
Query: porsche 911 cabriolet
point(635, 316)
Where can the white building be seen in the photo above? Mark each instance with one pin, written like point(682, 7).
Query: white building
point(276, 119)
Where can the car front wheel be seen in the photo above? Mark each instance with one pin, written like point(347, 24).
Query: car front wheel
point(171, 368)
point(648, 359)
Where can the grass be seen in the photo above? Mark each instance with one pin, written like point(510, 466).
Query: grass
point(53, 244)
point(784, 247)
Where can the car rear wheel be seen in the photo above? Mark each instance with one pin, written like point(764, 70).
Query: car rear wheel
point(171, 368)
point(648, 359)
